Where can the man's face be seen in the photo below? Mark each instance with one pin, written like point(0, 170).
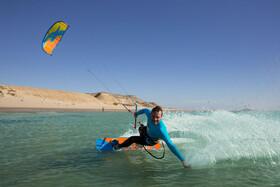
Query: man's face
point(156, 117)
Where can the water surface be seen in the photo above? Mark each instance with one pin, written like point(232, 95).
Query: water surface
point(58, 149)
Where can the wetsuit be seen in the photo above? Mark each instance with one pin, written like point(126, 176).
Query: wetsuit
point(152, 134)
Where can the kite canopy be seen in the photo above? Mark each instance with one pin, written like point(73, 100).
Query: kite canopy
point(54, 36)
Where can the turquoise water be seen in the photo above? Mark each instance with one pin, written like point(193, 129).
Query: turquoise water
point(58, 149)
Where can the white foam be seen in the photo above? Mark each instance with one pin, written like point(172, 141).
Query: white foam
point(208, 137)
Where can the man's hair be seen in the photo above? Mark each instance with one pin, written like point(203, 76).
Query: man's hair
point(157, 109)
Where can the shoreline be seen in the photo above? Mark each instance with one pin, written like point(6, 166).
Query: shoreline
point(27, 110)
point(34, 109)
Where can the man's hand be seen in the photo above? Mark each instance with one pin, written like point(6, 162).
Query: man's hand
point(134, 114)
point(185, 164)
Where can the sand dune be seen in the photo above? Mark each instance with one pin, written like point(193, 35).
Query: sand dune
point(19, 97)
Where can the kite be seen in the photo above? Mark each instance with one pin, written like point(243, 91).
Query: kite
point(54, 36)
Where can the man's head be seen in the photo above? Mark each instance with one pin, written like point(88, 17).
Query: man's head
point(156, 114)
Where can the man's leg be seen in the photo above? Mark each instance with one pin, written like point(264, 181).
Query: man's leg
point(131, 140)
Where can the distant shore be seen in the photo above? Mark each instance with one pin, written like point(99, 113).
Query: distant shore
point(30, 99)
point(19, 110)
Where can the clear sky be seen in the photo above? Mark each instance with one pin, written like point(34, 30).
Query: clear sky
point(183, 53)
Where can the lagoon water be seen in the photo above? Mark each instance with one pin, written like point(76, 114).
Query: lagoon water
point(58, 149)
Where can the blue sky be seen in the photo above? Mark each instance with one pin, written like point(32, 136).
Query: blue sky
point(195, 54)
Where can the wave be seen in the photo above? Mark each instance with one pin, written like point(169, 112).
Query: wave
point(209, 137)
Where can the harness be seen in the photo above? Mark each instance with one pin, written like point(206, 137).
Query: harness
point(149, 141)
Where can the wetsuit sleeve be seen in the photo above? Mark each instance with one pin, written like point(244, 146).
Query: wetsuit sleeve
point(165, 137)
point(143, 111)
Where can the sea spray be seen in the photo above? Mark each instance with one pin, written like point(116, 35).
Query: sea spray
point(206, 138)
point(224, 135)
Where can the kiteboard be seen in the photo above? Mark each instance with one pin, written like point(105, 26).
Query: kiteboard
point(106, 144)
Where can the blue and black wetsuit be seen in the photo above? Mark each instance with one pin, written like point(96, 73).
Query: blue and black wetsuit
point(153, 133)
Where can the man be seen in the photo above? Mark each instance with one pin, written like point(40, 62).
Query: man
point(154, 131)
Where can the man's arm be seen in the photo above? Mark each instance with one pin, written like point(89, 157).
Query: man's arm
point(143, 111)
point(172, 147)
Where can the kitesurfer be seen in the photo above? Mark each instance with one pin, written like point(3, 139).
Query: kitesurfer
point(150, 134)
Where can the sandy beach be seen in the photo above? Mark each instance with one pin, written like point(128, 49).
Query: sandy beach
point(30, 99)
